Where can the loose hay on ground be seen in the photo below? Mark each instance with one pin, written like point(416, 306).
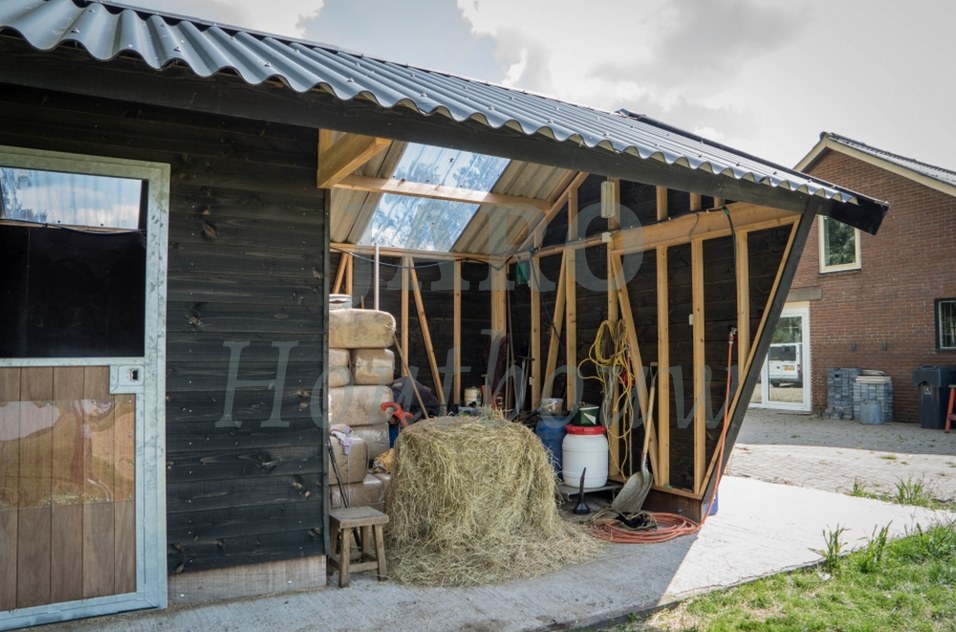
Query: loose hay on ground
point(472, 501)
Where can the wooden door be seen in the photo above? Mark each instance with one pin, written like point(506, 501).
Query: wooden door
point(67, 486)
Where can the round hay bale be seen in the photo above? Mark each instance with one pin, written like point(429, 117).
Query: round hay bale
point(472, 501)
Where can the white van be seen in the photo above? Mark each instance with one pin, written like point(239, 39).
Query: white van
point(784, 363)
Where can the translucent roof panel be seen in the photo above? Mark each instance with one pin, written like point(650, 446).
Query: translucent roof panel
point(402, 221)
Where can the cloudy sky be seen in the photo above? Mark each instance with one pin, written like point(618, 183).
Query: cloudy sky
point(763, 76)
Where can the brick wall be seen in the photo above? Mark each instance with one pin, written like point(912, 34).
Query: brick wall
point(882, 316)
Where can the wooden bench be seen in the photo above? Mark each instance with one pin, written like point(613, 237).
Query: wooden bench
point(371, 523)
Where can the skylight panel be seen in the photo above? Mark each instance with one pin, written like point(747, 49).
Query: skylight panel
point(430, 224)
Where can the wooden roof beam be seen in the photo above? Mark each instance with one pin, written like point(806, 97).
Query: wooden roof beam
point(339, 159)
point(437, 192)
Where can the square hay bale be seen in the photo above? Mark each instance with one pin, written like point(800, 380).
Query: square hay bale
point(361, 329)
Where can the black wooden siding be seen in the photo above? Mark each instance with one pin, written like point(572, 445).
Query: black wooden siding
point(247, 263)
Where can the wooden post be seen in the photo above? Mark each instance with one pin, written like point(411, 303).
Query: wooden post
point(696, 203)
point(570, 304)
point(742, 267)
point(554, 339)
point(662, 474)
point(661, 203)
point(499, 319)
point(700, 363)
point(534, 284)
point(348, 275)
point(340, 272)
point(426, 336)
point(456, 334)
point(406, 263)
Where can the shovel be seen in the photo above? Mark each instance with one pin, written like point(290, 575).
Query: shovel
point(632, 495)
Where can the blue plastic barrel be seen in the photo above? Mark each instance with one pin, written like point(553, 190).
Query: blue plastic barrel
point(550, 429)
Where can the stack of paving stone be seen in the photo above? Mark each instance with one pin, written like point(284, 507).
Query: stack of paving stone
point(361, 369)
point(840, 384)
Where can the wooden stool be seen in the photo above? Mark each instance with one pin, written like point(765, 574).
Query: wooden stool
point(950, 415)
point(370, 521)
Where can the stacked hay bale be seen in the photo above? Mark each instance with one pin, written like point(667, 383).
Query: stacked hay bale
point(472, 502)
point(360, 371)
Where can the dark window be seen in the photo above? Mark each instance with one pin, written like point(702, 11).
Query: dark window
point(72, 265)
point(946, 324)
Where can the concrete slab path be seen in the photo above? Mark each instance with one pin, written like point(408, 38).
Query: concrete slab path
point(763, 527)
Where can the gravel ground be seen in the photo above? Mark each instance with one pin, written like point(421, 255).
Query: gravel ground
point(809, 451)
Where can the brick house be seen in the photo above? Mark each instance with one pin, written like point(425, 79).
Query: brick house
point(885, 301)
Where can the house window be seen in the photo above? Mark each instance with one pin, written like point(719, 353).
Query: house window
point(946, 324)
point(839, 246)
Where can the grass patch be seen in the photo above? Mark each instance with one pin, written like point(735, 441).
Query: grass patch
point(888, 457)
point(905, 585)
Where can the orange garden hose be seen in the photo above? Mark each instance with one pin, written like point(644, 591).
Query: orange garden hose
point(669, 525)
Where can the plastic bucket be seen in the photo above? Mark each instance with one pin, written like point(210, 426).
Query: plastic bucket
point(584, 448)
point(551, 432)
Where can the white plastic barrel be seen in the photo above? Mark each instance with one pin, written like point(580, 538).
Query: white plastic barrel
point(584, 447)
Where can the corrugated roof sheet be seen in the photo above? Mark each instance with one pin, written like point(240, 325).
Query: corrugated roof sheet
point(109, 30)
point(930, 171)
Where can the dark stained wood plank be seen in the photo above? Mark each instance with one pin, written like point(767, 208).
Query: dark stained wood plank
point(244, 462)
point(208, 316)
point(224, 552)
point(256, 261)
point(231, 522)
point(245, 492)
point(217, 287)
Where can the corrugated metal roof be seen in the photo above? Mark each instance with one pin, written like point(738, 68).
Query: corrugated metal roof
point(109, 30)
point(930, 171)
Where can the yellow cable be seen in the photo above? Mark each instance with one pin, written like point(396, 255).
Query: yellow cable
point(610, 352)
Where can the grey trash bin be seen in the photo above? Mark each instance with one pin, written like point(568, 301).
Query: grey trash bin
point(933, 383)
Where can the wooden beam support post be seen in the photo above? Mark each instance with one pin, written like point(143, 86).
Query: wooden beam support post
point(499, 318)
point(338, 160)
point(696, 202)
point(662, 475)
point(426, 335)
point(554, 339)
point(340, 272)
point(742, 268)
point(534, 284)
point(406, 264)
point(700, 363)
point(571, 304)
point(456, 334)
point(661, 203)
point(637, 362)
point(349, 275)
point(615, 471)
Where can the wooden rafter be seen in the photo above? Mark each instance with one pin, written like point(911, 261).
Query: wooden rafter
point(437, 192)
point(339, 159)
